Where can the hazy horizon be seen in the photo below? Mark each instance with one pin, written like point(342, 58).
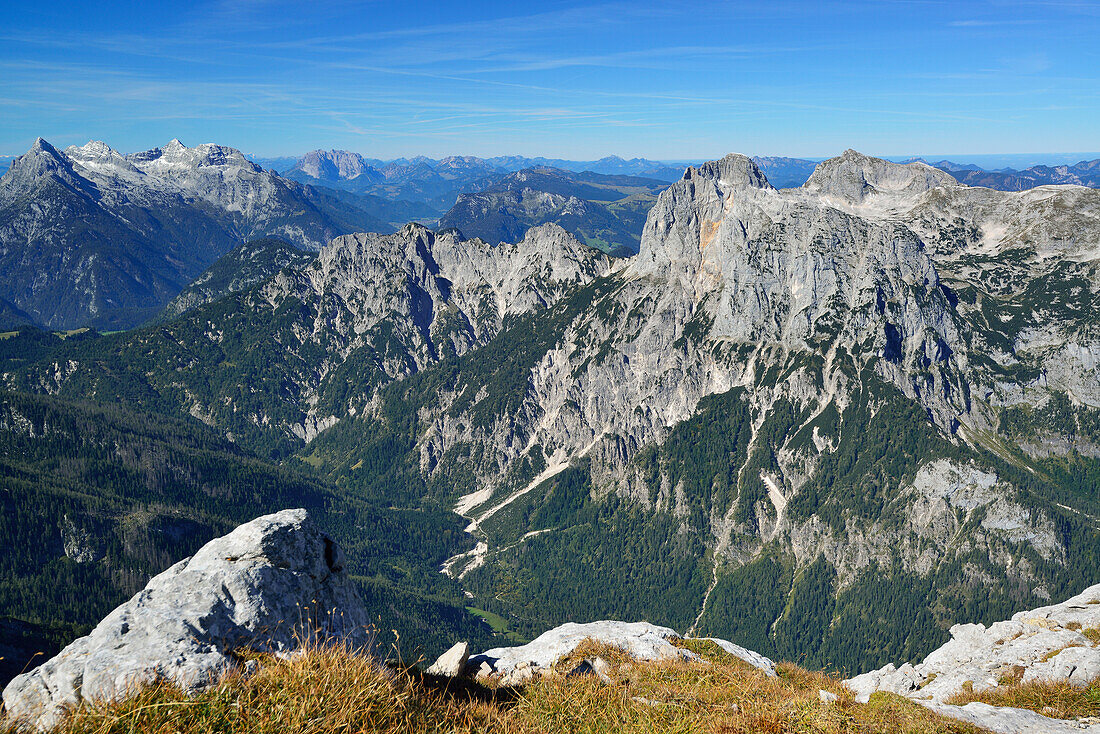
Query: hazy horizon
point(988, 161)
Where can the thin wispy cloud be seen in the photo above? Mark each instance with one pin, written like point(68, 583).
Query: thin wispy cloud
point(562, 78)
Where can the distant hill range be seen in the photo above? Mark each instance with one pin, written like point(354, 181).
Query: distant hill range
point(790, 172)
point(603, 211)
point(1084, 173)
point(440, 181)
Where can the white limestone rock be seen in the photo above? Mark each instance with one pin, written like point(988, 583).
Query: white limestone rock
point(1041, 644)
point(1006, 720)
point(751, 657)
point(269, 585)
point(641, 640)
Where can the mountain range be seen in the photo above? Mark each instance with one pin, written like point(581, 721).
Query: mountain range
point(89, 237)
point(1084, 173)
point(127, 233)
point(439, 182)
point(827, 421)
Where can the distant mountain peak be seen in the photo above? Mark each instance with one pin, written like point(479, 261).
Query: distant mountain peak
point(94, 147)
point(176, 155)
point(334, 165)
point(40, 161)
point(853, 176)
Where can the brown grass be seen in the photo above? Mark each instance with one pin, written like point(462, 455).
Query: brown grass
point(1057, 699)
point(327, 690)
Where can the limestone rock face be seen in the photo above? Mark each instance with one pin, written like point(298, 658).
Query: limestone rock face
point(853, 177)
point(642, 640)
point(269, 585)
point(1005, 720)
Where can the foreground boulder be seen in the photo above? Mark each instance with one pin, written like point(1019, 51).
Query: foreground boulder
point(1052, 643)
point(641, 640)
point(270, 585)
point(452, 662)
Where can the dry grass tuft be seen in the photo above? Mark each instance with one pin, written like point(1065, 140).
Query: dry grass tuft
point(1054, 653)
point(330, 690)
point(1057, 699)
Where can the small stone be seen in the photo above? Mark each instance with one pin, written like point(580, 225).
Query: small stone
point(826, 696)
point(589, 667)
point(518, 677)
point(601, 666)
point(452, 662)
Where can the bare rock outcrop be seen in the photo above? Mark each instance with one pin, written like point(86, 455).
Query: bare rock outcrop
point(641, 640)
point(1052, 643)
point(272, 584)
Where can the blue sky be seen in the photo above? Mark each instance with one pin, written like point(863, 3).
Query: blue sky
point(666, 80)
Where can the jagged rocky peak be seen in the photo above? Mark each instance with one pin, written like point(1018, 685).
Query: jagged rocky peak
point(718, 203)
point(41, 158)
point(176, 155)
point(40, 162)
point(520, 276)
point(851, 177)
point(732, 170)
point(100, 157)
point(91, 149)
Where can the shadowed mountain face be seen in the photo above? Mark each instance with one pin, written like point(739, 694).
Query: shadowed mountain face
point(251, 263)
point(826, 421)
point(91, 237)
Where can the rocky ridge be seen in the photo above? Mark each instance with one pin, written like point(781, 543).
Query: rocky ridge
point(1056, 642)
point(251, 263)
point(366, 310)
point(640, 640)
